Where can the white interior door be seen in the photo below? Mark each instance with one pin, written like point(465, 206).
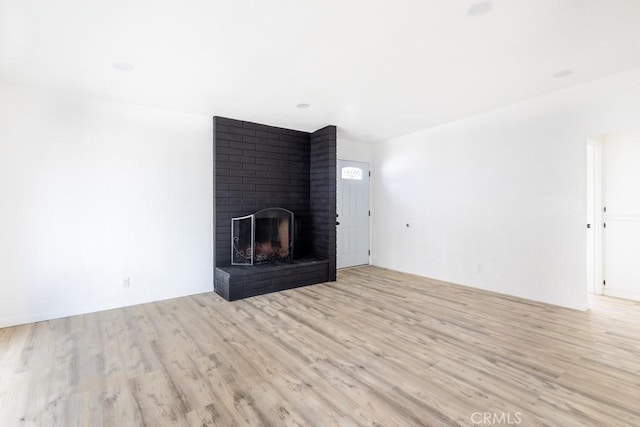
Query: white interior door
point(621, 214)
point(352, 222)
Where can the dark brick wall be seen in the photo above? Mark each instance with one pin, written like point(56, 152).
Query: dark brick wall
point(256, 167)
point(323, 195)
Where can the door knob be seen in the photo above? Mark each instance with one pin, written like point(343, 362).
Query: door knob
point(337, 223)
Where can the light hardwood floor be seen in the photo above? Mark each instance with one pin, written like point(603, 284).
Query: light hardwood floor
point(376, 348)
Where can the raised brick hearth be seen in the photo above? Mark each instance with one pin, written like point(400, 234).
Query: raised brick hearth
point(258, 167)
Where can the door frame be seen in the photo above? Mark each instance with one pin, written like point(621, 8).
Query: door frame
point(597, 271)
point(370, 201)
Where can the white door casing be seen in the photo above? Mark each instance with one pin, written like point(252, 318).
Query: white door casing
point(352, 221)
point(591, 226)
point(594, 216)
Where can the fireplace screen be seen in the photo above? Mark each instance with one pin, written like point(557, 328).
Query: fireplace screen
point(265, 236)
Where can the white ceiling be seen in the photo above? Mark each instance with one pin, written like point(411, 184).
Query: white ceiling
point(376, 69)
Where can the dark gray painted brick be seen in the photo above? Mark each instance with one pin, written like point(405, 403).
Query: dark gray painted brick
point(259, 166)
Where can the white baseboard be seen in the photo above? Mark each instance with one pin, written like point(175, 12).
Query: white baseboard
point(621, 294)
point(58, 314)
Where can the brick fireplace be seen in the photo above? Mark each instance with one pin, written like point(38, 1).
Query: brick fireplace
point(258, 167)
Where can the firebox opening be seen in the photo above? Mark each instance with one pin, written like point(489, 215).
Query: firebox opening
point(266, 236)
point(272, 239)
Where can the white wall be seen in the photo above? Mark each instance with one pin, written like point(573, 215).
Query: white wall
point(94, 191)
point(354, 150)
point(497, 201)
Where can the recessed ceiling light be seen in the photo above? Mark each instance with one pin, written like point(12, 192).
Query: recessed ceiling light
point(479, 8)
point(122, 66)
point(303, 105)
point(563, 73)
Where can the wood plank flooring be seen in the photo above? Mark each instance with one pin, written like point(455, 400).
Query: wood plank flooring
point(375, 348)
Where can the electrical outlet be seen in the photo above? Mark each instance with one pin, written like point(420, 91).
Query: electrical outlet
point(126, 282)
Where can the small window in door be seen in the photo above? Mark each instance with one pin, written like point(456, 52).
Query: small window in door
point(351, 173)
